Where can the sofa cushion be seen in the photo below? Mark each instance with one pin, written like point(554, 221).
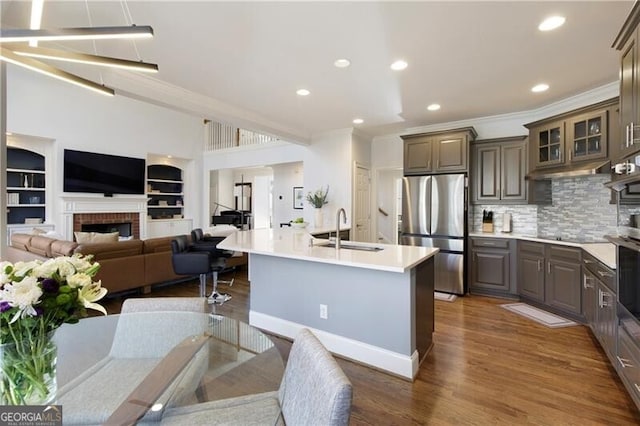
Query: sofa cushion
point(157, 245)
point(40, 245)
point(110, 250)
point(63, 248)
point(21, 241)
point(96, 237)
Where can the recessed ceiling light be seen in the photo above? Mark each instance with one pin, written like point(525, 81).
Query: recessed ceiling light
point(358, 121)
point(342, 63)
point(169, 156)
point(433, 107)
point(551, 23)
point(303, 92)
point(399, 65)
point(539, 87)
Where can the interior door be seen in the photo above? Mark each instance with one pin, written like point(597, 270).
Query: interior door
point(362, 212)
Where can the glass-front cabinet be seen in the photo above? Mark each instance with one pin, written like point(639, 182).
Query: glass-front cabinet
point(587, 136)
point(550, 144)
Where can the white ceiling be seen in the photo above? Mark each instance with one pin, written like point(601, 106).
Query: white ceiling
point(476, 58)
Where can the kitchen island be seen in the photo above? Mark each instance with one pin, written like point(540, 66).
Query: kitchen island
point(371, 303)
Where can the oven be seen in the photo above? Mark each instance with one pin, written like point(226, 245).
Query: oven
point(628, 262)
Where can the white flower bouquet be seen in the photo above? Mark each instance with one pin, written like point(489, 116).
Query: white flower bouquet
point(35, 299)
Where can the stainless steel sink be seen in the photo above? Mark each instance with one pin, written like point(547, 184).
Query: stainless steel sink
point(348, 246)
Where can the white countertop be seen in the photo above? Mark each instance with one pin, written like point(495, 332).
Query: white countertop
point(604, 252)
point(295, 244)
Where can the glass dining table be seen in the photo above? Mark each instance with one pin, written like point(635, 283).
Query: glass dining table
point(130, 368)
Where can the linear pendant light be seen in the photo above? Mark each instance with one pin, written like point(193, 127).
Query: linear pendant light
point(83, 58)
point(37, 66)
point(90, 33)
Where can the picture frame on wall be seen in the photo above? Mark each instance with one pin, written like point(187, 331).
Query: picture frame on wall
point(298, 198)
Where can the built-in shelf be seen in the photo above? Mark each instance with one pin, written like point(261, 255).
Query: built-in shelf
point(164, 185)
point(26, 186)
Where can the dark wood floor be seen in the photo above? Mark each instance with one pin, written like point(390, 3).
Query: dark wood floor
point(488, 366)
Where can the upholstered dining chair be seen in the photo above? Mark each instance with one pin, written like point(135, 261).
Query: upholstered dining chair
point(155, 304)
point(93, 396)
point(313, 391)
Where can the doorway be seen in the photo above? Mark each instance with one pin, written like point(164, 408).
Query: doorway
point(389, 205)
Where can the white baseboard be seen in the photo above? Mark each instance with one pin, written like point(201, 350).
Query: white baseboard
point(402, 365)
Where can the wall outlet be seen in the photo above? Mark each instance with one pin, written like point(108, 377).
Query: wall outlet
point(324, 311)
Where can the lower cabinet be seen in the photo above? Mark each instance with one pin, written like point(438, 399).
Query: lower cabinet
point(628, 362)
point(168, 227)
point(599, 303)
point(491, 270)
point(551, 275)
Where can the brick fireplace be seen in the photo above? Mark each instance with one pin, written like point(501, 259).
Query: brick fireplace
point(133, 218)
point(79, 210)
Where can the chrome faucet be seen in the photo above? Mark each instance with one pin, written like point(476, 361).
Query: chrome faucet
point(344, 215)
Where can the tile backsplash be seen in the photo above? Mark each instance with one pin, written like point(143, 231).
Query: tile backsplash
point(581, 209)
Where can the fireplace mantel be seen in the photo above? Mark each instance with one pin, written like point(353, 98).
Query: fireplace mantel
point(98, 204)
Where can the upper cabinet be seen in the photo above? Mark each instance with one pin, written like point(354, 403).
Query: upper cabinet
point(438, 152)
point(627, 42)
point(499, 169)
point(164, 188)
point(26, 186)
point(572, 137)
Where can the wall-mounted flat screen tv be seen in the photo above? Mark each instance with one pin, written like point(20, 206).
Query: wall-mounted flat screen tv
point(103, 173)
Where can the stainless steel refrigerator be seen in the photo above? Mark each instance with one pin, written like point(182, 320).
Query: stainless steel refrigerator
point(434, 210)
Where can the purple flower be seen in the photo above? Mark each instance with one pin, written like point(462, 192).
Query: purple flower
point(4, 306)
point(50, 285)
point(39, 310)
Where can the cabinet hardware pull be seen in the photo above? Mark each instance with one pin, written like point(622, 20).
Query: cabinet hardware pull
point(637, 387)
point(548, 267)
point(631, 125)
point(605, 274)
point(600, 298)
point(539, 265)
point(587, 261)
point(624, 363)
point(586, 284)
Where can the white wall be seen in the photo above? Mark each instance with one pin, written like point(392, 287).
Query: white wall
point(285, 177)
point(79, 119)
point(329, 162)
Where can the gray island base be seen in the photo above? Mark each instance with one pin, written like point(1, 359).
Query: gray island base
point(375, 308)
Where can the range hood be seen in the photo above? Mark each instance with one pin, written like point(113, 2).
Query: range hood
point(624, 180)
point(574, 170)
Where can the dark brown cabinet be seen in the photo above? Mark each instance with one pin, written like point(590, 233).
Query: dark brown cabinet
point(587, 136)
point(562, 285)
point(572, 137)
point(551, 275)
point(531, 270)
point(438, 152)
point(627, 42)
point(548, 144)
point(599, 303)
point(499, 170)
point(492, 268)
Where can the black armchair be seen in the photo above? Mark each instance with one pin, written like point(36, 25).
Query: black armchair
point(191, 262)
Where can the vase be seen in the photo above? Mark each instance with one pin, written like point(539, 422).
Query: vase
point(28, 371)
point(318, 219)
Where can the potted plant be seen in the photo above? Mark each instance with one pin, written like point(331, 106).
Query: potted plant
point(318, 199)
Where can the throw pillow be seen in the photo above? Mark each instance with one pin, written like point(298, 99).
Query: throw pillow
point(96, 237)
point(111, 237)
